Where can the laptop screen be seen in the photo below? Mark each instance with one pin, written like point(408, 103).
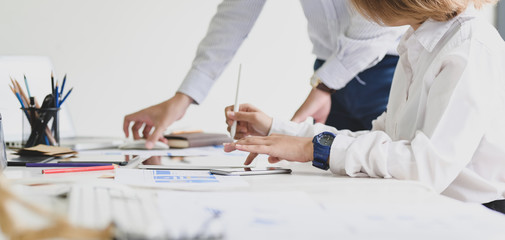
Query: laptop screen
point(3, 154)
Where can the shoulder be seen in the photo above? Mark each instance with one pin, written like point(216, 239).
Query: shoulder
point(481, 35)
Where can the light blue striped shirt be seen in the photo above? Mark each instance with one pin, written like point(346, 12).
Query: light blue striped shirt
point(342, 37)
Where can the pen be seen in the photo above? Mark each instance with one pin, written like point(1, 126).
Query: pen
point(236, 107)
point(72, 164)
point(79, 169)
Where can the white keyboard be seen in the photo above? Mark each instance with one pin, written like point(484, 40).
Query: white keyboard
point(133, 212)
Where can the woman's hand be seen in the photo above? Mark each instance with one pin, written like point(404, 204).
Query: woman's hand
point(317, 105)
point(251, 121)
point(278, 147)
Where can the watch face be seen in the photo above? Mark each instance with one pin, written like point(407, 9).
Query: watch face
point(326, 140)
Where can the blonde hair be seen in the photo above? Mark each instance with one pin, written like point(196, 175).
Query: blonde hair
point(384, 11)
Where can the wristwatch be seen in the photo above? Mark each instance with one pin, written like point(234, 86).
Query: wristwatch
point(322, 145)
point(317, 83)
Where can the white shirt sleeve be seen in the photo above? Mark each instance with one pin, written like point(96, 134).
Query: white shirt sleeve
point(305, 129)
point(362, 45)
point(227, 30)
point(454, 125)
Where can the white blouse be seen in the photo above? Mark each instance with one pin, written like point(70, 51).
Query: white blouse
point(445, 121)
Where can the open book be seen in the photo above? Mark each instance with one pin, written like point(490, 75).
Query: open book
point(199, 139)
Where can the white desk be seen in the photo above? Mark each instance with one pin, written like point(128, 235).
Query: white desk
point(358, 208)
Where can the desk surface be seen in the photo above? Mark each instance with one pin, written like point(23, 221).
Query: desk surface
point(356, 203)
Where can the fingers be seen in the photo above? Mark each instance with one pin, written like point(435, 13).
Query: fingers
point(135, 129)
point(229, 147)
point(147, 131)
point(254, 140)
point(250, 158)
point(126, 126)
point(229, 114)
point(273, 159)
point(157, 134)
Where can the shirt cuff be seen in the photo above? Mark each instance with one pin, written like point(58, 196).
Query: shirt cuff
point(334, 74)
point(338, 153)
point(286, 127)
point(196, 85)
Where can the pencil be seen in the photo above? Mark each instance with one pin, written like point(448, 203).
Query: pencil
point(62, 86)
point(27, 87)
point(79, 169)
point(66, 95)
point(52, 83)
point(236, 107)
point(56, 104)
point(19, 90)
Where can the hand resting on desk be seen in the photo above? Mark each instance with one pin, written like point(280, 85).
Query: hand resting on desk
point(278, 147)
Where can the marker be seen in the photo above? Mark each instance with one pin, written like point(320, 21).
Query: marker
point(236, 107)
point(79, 169)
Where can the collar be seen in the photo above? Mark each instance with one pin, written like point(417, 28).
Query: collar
point(431, 32)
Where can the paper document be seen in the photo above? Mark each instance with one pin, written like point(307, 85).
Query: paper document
point(176, 179)
point(243, 215)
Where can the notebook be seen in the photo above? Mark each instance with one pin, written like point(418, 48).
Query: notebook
point(199, 139)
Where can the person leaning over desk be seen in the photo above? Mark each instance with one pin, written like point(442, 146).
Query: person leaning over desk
point(444, 124)
point(354, 55)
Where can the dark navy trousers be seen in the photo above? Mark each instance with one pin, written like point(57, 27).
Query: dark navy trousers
point(364, 98)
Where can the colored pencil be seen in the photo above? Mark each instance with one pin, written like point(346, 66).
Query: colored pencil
point(27, 87)
point(62, 86)
point(66, 95)
point(56, 104)
point(79, 169)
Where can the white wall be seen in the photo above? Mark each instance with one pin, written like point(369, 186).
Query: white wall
point(123, 55)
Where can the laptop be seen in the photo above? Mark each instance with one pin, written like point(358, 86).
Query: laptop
point(3, 153)
point(37, 70)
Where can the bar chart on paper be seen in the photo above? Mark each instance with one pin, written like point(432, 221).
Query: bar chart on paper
point(166, 176)
point(175, 178)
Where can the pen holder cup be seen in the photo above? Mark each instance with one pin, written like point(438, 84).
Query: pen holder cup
point(40, 126)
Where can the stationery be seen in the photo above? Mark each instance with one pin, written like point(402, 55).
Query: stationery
point(197, 139)
point(79, 169)
point(38, 117)
point(236, 106)
point(70, 164)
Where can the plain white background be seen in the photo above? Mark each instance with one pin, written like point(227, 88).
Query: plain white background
point(124, 55)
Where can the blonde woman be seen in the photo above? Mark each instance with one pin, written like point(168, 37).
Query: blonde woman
point(445, 121)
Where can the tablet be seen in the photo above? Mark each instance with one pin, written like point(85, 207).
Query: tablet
point(194, 162)
point(250, 171)
point(121, 160)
